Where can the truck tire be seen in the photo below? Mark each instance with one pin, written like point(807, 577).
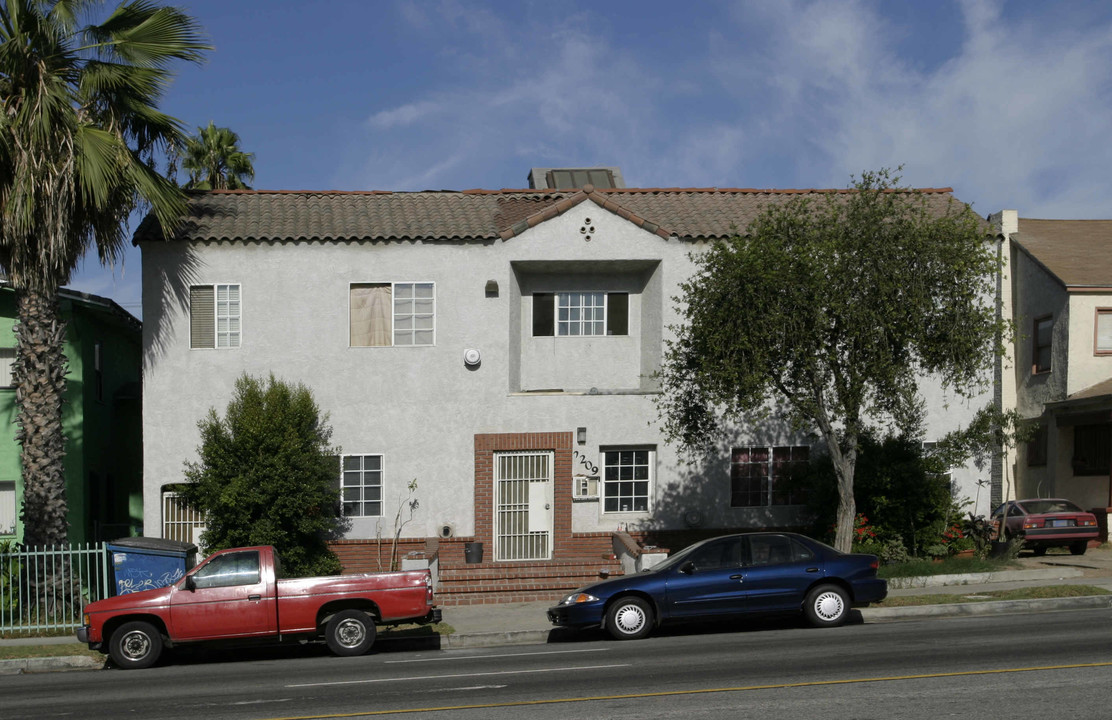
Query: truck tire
point(135, 645)
point(350, 632)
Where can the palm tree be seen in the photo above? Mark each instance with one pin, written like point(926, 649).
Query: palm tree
point(80, 131)
point(215, 162)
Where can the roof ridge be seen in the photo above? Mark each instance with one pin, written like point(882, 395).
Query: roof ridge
point(573, 191)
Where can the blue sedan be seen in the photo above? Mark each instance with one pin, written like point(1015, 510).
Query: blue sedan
point(729, 576)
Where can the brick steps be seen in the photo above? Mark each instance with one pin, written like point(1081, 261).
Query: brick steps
point(489, 583)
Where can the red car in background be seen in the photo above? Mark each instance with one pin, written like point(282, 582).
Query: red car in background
point(1048, 522)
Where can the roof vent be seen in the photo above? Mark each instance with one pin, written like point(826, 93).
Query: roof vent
point(575, 178)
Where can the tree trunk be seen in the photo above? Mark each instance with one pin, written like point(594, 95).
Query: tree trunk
point(847, 506)
point(39, 372)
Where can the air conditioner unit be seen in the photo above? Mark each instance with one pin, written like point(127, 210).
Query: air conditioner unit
point(584, 487)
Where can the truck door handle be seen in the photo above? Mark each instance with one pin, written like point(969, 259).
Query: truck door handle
point(254, 597)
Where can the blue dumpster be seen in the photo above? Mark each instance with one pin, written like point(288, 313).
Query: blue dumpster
point(143, 563)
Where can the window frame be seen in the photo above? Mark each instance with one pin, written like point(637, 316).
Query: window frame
point(546, 319)
point(10, 530)
point(1037, 347)
point(214, 287)
point(606, 484)
point(1098, 313)
point(393, 285)
point(363, 486)
point(771, 496)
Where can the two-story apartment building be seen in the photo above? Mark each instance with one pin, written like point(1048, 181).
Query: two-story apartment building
point(1061, 285)
point(500, 347)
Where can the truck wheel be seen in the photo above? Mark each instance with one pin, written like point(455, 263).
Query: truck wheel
point(350, 632)
point(135, 645)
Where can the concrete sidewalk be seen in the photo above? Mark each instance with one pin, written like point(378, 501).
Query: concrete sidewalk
point(527, 623)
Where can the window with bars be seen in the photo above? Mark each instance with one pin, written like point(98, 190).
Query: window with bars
point(214, 316)
point(387, 314)
point(361, 485)
point(1092, 445)
point(626, 480)
point(578, 314)
point(761, 476)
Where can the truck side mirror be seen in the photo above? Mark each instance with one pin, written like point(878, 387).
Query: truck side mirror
point(190, 583)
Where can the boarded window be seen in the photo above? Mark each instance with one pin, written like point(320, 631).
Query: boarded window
point(1091, 447)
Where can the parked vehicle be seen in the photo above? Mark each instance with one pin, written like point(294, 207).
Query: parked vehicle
point(729, 576)
point(1048, 522)
point(237, 594)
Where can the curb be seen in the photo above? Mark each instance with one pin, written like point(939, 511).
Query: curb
point(994, 607)
point(50, 664)
point(985, 578)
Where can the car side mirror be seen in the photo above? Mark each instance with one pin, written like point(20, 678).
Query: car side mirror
point(687, 568)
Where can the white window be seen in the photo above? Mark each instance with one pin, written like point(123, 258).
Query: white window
point(1103, 343)
point(214, 316)
point(7, 357)
point(361, 485)
point(7, 507)
point(385, 314)
point(627, 478)
point(578, 314)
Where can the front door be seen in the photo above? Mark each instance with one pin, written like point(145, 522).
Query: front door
point(523, 505)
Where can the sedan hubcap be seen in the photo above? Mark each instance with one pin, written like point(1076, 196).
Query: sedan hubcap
point(350, 633)
point(629, 619)
point(828, 606)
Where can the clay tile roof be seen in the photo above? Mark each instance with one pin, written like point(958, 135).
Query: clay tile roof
point(1077, 252)
point(257, 215)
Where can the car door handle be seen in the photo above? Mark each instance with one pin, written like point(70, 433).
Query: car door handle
point(812, 569)
point(735, 577)
point(254, 597)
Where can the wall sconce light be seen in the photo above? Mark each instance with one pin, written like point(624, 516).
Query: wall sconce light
point(581, 435)
point(492, 288)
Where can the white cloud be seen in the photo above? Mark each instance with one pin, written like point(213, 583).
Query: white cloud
point(403, 116)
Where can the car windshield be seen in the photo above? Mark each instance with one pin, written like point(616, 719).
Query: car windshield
point(1050, 506)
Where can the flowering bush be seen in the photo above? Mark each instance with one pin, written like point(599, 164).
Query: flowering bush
point(955, 540)
point(865, 539)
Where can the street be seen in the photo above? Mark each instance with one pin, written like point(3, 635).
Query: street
point(1006, 665)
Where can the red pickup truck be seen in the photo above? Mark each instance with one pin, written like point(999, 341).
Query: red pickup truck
point(236, 594)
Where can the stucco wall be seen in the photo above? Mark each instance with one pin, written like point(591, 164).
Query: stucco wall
point(421, 407)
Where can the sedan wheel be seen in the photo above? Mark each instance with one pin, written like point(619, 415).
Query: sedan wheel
point(1079, 547)
point(826, 606)
point(629, 618)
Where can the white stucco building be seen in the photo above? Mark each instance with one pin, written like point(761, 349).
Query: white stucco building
point(497, 346)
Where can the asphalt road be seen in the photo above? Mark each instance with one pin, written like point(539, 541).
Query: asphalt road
point(1033, 665)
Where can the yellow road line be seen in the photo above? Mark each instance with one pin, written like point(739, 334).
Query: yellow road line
point(669, 693)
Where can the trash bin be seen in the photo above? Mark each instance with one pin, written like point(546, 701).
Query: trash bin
point(473, 552)
point(143, 563)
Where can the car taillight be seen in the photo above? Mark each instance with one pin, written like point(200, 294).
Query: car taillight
point(1088, 523)
point(875, 564)
point(1031, 524)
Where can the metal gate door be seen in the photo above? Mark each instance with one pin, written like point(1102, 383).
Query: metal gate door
point(523, 505)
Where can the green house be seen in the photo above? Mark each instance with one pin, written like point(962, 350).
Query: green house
point(102, 416)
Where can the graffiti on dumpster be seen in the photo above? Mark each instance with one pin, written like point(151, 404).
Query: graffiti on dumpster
point(137, 580)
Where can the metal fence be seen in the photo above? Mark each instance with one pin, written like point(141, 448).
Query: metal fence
point(45, 589)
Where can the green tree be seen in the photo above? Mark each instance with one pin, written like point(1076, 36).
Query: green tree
point(215, 162)
point(268, 476)
point(832, 309)
point(900, 489)
point(80, 131)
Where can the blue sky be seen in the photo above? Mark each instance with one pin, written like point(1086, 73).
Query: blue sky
point(1009, 103)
